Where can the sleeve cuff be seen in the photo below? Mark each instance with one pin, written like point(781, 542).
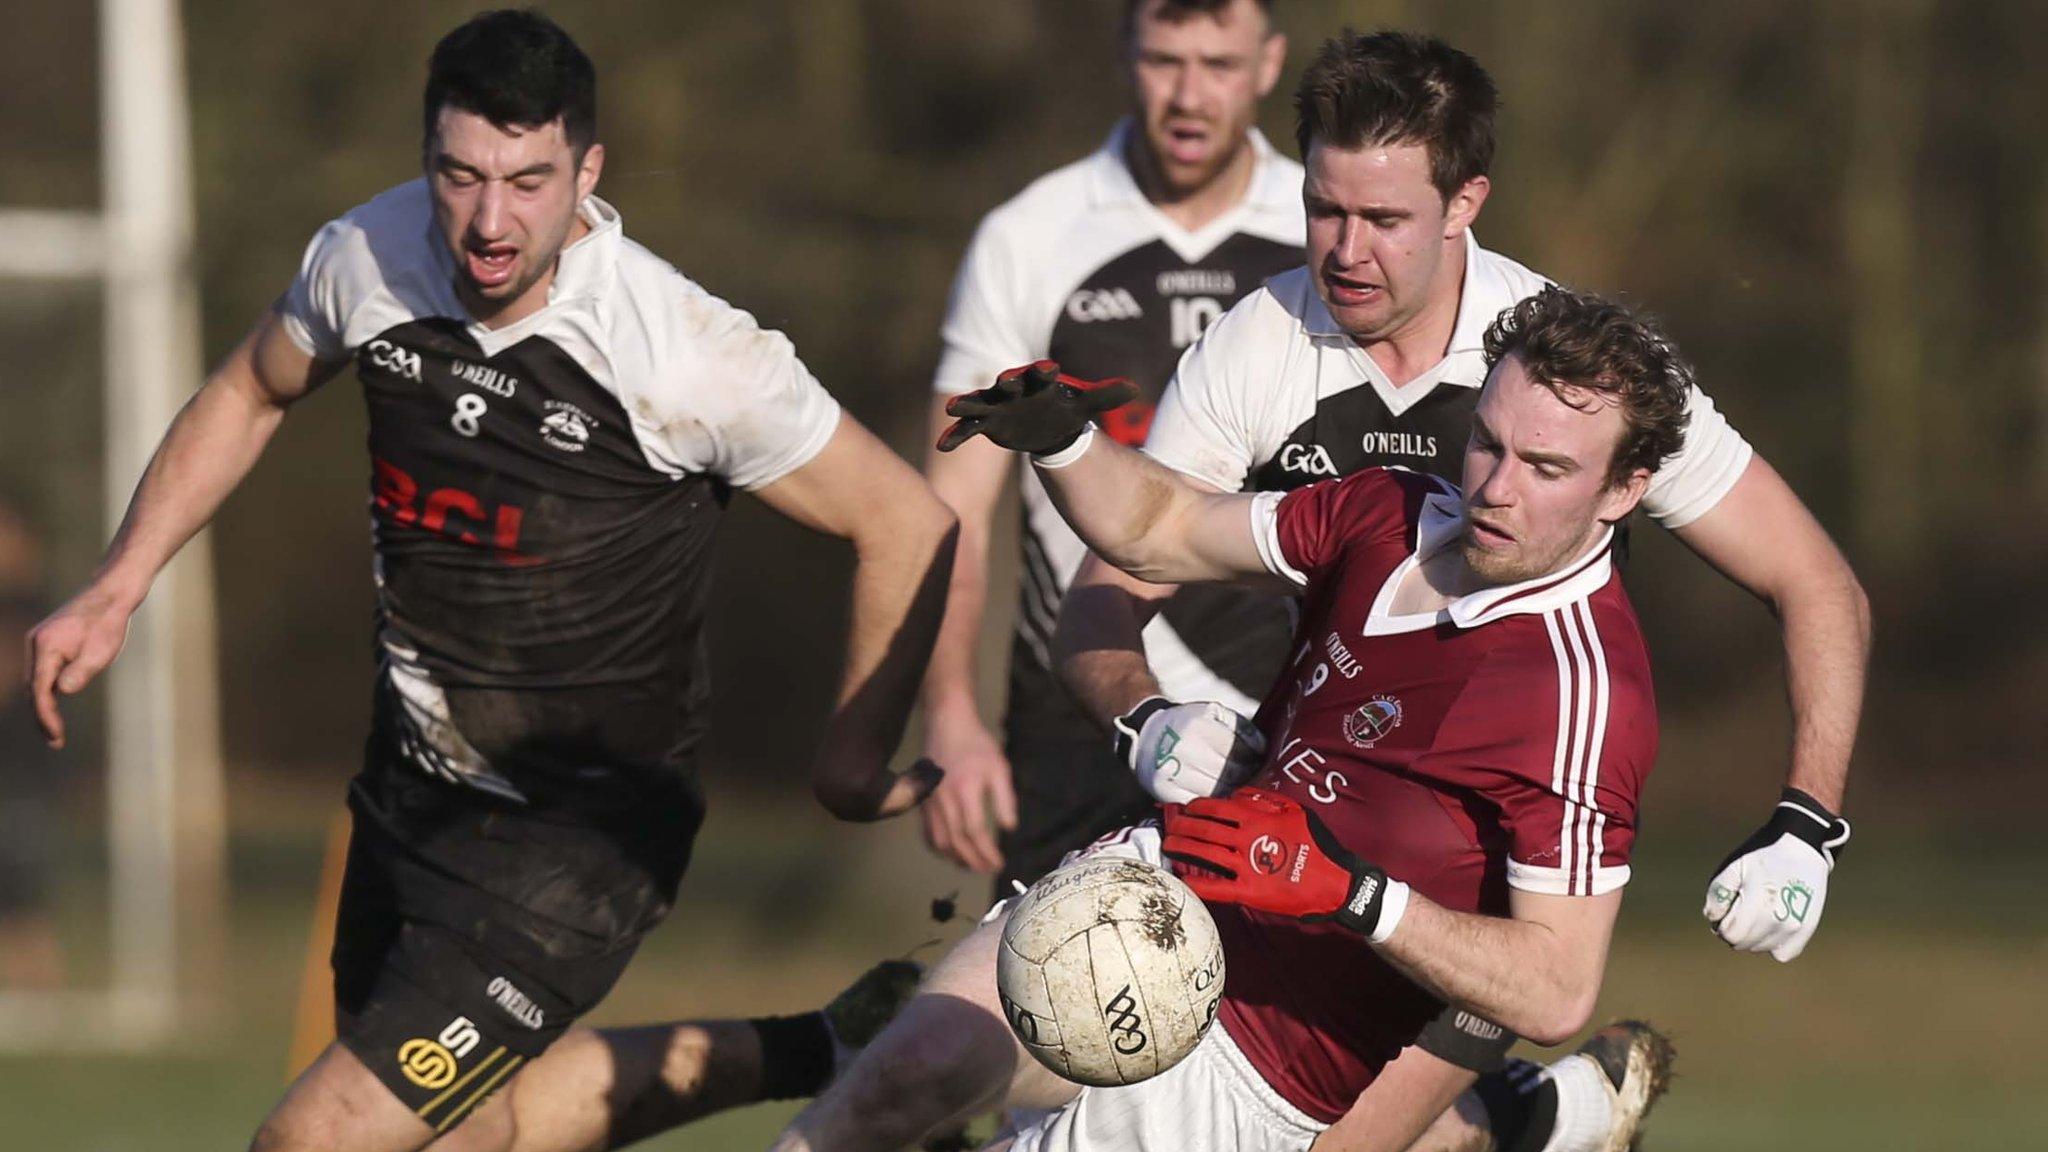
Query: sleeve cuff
point(801, 455)
point(1265, 514)
point(1560, 881)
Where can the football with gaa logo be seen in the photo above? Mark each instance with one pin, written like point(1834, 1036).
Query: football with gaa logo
point(1110, 971)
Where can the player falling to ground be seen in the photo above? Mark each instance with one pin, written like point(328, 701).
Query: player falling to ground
point(557, 417)
point(1455, 753)
point(1371, 355)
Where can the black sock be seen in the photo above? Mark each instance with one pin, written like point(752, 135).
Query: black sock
point(796, 1055)
point(1521, 1106)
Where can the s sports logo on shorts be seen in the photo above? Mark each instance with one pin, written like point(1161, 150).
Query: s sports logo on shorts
point(431, 1064)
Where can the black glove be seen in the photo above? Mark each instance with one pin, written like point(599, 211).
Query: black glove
point(1036, 409)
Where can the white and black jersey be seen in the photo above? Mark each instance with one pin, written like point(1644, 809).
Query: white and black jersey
point(1081, 268)
point(544, 495)
point(1276, 396)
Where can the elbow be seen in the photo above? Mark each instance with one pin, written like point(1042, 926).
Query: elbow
point(1565, 1017)
point(853, 805)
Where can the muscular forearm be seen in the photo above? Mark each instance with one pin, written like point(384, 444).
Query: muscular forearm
point(1121, 505)
point(949, 682)
point(1826, 628)
point(211, 445)
point(899, 593)
point(1099, 646)
point(1525, 975)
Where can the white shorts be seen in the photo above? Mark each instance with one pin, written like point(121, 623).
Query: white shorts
point(1214, 1099)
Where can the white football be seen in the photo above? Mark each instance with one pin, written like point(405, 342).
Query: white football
point(1109, 971)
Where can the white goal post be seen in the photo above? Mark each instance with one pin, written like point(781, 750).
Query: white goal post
point(166, 826)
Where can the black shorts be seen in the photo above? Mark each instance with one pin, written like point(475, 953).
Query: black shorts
point(1071, 788)
point(472, 931)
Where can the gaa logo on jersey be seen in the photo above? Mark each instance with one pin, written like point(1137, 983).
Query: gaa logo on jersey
point(566, 426)
point(1372, 720)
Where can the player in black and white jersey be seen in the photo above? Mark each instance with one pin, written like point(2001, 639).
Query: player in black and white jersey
point(1112, 265)
point(557, 419)
point(1370, 356)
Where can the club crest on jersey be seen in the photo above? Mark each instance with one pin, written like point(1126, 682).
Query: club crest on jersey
point(566, 426)
point(1372, 720)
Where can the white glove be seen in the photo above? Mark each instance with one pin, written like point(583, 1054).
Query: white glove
point(1183, 751)
point(1769, 893)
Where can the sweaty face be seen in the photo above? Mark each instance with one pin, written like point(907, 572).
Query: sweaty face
point(1377, 235)
point(1536, 491)
point(1197, 82)
point(506, 200)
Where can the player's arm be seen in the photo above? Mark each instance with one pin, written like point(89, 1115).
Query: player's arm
point(903, 538)
point(1399, 1105)
point(1139, 515)
point(210, 446)
point(1536, 972)
point(970, 480)
point(1763, 538)
point(1098, 647)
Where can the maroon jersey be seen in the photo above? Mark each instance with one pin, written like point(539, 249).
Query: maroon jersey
point(1500, 742)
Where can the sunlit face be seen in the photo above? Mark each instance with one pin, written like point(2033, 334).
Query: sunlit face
point(1536, 491)
point(506, 201)
point(1197, 83)
point(1381, 240)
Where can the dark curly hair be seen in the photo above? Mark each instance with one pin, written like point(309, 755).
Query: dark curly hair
point(1575, 340)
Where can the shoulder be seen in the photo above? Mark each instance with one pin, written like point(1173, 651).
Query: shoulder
point(1372, 505)
point(1049, 203)
point(1269, 318)
point(1511, 279)
point(391, 232)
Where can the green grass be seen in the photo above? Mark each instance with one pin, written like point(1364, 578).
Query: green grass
point(1909, 1025)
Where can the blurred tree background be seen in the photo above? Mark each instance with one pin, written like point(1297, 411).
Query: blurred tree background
point(1838, 206)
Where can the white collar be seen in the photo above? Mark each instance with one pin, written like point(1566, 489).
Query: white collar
point(1437, 528)
point(1111, 184)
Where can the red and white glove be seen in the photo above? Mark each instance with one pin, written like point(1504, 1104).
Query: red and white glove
point(1266, 851)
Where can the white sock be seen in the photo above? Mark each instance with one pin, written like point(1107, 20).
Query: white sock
point(1585, 1105)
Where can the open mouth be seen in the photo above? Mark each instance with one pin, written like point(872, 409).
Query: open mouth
point(490, 265)
point(1486, 535)
point(1187, 143)
point(1347, 292)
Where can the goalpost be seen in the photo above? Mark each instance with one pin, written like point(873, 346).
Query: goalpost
point(166, 826)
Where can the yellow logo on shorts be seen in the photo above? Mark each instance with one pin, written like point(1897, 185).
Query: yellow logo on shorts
point(426, 1063)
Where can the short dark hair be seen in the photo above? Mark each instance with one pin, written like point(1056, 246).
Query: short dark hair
point(1175, 11)
point(1577, 340)
point(1400, 88)
point(515, 68)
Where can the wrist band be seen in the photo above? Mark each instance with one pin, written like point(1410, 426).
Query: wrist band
point(1131, 725)
point(1075, 449)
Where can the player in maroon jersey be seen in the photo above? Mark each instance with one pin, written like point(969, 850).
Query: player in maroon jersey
point(1447, 806)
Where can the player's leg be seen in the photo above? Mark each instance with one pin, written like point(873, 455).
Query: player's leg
point(338, 1105)
point(597, 1089)
point(949, 1055)
point(1594, 1100)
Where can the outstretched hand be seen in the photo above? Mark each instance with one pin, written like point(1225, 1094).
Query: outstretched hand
point(1035, 409)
